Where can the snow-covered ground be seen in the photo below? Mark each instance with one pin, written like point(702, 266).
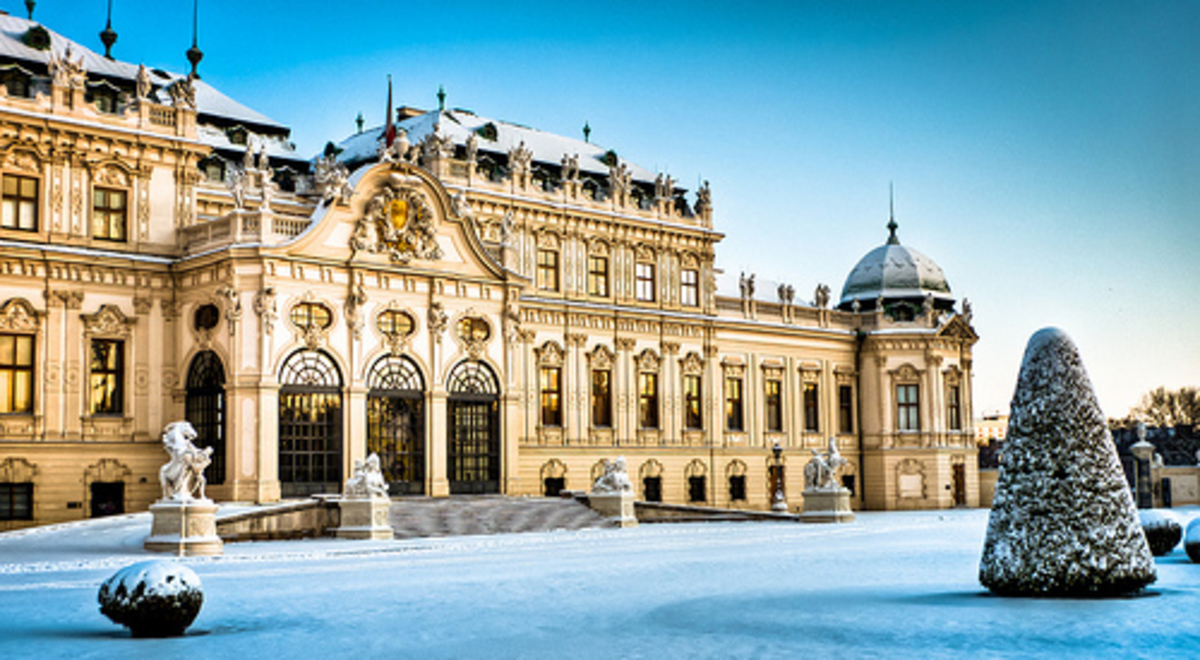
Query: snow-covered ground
point(889, 585)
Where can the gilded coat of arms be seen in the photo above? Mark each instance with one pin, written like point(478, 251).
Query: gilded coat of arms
point(398, 222)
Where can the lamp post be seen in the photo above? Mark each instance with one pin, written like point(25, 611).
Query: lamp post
point(778, 498)
point(1143, 451)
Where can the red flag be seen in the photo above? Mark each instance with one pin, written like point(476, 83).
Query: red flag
point(389, 133)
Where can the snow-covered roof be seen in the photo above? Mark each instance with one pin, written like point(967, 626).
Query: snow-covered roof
point(895, 271)
point(209, 101)
point(460, 124)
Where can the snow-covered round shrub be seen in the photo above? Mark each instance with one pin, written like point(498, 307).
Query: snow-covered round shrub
point(1191, 542)
point(152, 598)
point(1162, 531)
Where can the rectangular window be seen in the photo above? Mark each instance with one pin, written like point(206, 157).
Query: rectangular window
point(812, 421)
point(16, 374)
point(737, 488)
point(16, 501)
point(551, 384)
point(108, 214)
point(602, 398)
point(598, 276)
point(652, 489)
point(954, 408)
point(648, 400)
point(697, 489)
point(689, 288)
point(908, 408)
point(845, 409)
point(773, 399)
point(18, 208)
point(107, 376)
point(733, 405)
point(645, 282)
point(692, 419)
point(547, 270)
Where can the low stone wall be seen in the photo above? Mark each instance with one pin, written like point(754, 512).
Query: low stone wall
point(289, 520)
point(1185, 484)
point(658, 512)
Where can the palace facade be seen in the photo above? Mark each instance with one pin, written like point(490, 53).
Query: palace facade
point(490, 308)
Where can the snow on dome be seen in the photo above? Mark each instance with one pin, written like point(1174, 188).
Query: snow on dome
point(894, 271)
point(1063, 522)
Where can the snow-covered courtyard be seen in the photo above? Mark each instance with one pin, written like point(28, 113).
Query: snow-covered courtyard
point(888, 585)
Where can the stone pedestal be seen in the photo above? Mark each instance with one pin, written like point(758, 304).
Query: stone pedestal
point(365, 519)
point(617, 507)
point(185, 529)
point(827, 506)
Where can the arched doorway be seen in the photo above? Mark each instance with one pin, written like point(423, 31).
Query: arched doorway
point(310, 425)
point(204, 407)
point(473, 409)
point(396, 423)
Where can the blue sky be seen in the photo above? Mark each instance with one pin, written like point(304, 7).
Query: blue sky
point(1045, 154)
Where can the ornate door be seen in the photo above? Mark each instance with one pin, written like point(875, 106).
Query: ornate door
point(204, 407)
point(310, 425)
point(396, 423)
point(474, 429)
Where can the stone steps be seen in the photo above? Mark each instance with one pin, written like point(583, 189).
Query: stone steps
point(422, 517)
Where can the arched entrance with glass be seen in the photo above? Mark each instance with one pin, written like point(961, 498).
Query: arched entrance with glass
point(473, 408)
point(310, 425)
point(396, 423)
point(204, 407)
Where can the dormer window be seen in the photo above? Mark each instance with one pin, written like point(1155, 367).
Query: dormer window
point(104, 96)
point(18, 82)
point(237, 135)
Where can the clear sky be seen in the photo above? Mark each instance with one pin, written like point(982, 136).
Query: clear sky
point(1046, 154)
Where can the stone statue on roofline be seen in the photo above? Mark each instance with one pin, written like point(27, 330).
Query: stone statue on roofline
point(332, 180)
point(144, 85)
point(236, 182)
point(821, 296)
point(570, 167)
point(183, 93)
point(66, 72)
point(472, 148)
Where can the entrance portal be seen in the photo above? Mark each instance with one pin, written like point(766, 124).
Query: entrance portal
point(396, 424)
point(473, 408)
point(310, 425)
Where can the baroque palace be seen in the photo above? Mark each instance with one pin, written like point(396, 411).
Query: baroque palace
point(490, 308)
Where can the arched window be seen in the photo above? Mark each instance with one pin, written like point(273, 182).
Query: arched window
point(310, 424)
point(204, 407)
point(396, 423)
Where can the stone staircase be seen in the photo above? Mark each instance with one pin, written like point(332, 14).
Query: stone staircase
point(422, 517)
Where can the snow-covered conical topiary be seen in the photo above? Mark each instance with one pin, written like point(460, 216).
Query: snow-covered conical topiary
point(1063, 522)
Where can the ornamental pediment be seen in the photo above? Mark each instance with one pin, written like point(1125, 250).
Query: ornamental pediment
point(399, 221)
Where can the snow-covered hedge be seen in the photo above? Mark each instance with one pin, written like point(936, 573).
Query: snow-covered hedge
point(1191, 543)
point(152, 598)
point(1063, 521)
point(1163, 532)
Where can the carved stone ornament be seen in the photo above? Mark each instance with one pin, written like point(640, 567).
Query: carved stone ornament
point(520, 158)
point(144, 85)
point(647, 361)
point(23, 161)
point(231, 300)
point(399, 222)
point(17, 314)
point(692, 363)
point(437, 321)
point(109, 322)
point(549, 355)
point(461, 207)
point(734, 369)
point(906, 372)
point(601, 358)
point(265, 307)
point(354, 304)
point(182, 478)
point(110, 175)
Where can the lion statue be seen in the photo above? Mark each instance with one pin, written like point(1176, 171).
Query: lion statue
point(182, 478)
